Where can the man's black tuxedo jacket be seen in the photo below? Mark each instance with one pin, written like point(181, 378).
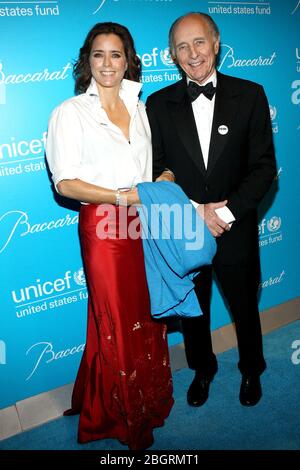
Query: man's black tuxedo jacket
point(241, 162)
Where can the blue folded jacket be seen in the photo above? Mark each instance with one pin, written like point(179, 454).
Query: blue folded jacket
point(176, 243)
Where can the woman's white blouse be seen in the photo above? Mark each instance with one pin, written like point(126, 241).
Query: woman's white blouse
point(82, 143)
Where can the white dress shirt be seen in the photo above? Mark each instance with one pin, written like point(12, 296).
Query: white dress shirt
point(203, 110)
point(82, 142)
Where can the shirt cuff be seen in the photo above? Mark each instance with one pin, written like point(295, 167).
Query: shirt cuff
point(167, 170)
point(67, 174)
point(225, 214)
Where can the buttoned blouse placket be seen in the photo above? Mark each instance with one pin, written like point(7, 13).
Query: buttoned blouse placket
point(109, 126)
point(132, 109)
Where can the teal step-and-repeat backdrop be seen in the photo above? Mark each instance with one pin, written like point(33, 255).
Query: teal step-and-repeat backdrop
point(43, 293)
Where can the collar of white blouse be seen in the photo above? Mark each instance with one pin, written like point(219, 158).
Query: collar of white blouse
point(129, 93)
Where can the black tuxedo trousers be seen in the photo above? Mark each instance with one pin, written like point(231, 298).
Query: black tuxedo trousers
point(241, 167)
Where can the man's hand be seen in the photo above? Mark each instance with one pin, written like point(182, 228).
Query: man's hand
point(216, 225)
point(166, 176)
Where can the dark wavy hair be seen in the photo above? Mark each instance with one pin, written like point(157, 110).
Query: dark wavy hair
point(82, 71)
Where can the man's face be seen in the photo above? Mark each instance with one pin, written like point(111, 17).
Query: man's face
point(195, 47)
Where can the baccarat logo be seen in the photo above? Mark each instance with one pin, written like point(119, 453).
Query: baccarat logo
point(296, 7)
point(101, 4)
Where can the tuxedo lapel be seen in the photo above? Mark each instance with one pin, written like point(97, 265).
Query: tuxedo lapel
point(226, 102)
point(181, 112)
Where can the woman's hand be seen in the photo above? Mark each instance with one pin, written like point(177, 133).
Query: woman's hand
point(130, 197)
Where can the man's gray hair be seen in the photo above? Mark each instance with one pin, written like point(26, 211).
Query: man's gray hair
point(210, 22)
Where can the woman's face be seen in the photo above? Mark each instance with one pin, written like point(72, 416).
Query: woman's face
point(107, 60)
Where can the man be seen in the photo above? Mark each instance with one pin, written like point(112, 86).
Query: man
point(217, 141)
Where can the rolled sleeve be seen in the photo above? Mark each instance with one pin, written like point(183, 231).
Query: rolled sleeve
point(64, 143)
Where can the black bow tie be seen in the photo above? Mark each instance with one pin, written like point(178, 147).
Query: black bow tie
point(194, 90)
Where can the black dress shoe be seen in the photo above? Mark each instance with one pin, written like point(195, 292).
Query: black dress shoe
point(70, 412)
point(250, 392)
point(198, 391)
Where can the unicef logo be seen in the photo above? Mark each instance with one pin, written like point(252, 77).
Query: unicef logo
point(274, 224)
point(273, 112)
point(79, 277)
point(165, 57)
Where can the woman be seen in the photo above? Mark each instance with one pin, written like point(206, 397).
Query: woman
point(99, 142)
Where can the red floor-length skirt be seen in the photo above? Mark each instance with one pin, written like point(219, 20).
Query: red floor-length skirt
point(123, 387)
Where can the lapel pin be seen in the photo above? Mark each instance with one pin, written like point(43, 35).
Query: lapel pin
point(222, 129)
